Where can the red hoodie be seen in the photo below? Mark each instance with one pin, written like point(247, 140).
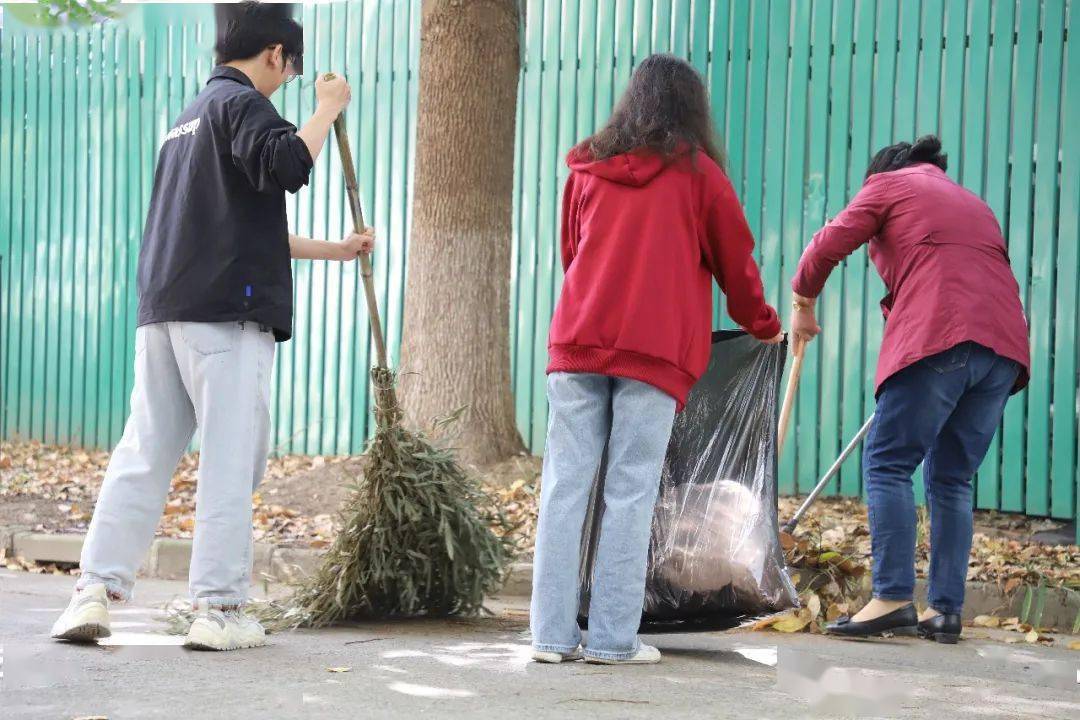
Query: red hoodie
point(642, 239)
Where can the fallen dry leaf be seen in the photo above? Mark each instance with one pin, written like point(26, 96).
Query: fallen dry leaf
point(1074, 645)
point(1012, 584)
point(794, 622)
point(1032, 636)
point(339, 669)
point(990, 621)
point(814, 606)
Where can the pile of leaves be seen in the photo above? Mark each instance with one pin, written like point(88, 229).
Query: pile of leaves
point(829, 559)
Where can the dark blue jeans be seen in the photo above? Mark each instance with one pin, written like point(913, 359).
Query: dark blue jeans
point(943, 410)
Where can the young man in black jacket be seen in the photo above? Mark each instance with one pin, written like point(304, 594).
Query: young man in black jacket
point(215, 292)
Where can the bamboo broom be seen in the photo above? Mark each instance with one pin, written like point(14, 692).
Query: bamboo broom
point(417, 533)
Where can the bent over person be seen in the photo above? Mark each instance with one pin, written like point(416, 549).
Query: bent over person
point(955, 348)
point(215, 294)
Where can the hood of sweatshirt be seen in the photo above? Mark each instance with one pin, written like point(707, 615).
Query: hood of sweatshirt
point(635, 168)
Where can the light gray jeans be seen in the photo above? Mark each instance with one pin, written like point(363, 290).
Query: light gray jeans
point(214, 377)
point(634, 419)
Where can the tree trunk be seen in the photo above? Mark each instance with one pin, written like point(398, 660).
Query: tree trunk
point(455, 343)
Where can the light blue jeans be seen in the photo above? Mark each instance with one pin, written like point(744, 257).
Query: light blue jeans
point(634, 419)
point(207, 378)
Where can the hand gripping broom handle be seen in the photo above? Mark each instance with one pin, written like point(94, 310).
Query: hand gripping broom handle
point(351, 188)
point(789, 396)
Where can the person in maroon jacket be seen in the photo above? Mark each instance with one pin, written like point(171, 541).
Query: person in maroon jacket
point(955, 347)
point(649, 219)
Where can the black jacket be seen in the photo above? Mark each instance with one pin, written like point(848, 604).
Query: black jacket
point(216, 244)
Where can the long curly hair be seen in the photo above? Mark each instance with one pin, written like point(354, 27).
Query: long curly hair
point(665, 108)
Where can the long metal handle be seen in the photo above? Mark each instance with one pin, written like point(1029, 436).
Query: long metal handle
point(789, 526)
point(353, 191)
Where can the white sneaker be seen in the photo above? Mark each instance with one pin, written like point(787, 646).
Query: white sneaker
point(86, 618)
point(645, 655)
point(543, 656)
point(217, 629)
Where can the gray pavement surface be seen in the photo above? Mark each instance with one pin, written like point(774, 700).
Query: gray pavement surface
point(479, 668)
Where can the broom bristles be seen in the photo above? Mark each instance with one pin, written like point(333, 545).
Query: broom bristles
point(417, 536)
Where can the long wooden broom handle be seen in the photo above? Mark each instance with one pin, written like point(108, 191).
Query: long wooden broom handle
point(353, 191)
point(789, 395)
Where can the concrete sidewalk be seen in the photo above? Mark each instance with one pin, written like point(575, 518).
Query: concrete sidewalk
point(479, 668)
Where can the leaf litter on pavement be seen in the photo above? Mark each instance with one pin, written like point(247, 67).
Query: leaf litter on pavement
point(828, 556)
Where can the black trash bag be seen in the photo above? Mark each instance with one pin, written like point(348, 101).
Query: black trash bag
point(714, 557)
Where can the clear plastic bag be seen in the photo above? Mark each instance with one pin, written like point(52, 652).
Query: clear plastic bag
point(714, 558)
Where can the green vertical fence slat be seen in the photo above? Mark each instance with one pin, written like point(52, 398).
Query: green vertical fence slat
point(736, 117)
point(952, 99)
point(547, 223)
point(972, 151)
point(30, 264)
point(928, 101)
point(54, 284)
point(643, 28)
point(107, 234)
point(775, 106)
point(661, 30)
point(853, 372)
point(972, 175)
point(80, 189)
point(336, 405)
point(117, 109)
point(798, 83)
point(769, 237)
point(527, 243)
point(996, 193)
point(1019, 234)
point(9, 291)
point(754, 160)
point(698, 51)
point(834, 298)
point(1063, 472)
point(65, 235)
point(138, 201)
point(569, 61)
point(679, 30)
point(586, 71)
point(606, 92)
point(1043, 256)
point(801, 97)
point(880, 134)
point(717, 77)
point(813, 211)
point(624, 42)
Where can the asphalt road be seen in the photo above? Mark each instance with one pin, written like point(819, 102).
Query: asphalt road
point(479, 668)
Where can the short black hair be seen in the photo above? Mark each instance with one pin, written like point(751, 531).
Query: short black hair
point(926, 149)
point(246, 29)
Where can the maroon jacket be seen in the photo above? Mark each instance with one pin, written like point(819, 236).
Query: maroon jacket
point(641, 241)
point(940, 252)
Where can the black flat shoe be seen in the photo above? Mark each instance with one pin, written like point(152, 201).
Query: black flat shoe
point(901, 621)
point(944, 628)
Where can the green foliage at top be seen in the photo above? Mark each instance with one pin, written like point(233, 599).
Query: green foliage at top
point(61, 13)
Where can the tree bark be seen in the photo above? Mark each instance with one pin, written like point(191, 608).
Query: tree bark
point(455, 342)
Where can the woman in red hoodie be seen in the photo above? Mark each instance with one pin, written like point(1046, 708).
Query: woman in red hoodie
point(649, 219)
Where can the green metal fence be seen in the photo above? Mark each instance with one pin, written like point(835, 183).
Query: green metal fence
point(803, 92)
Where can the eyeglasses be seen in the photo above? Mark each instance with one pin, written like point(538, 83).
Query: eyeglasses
point(290, 70)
